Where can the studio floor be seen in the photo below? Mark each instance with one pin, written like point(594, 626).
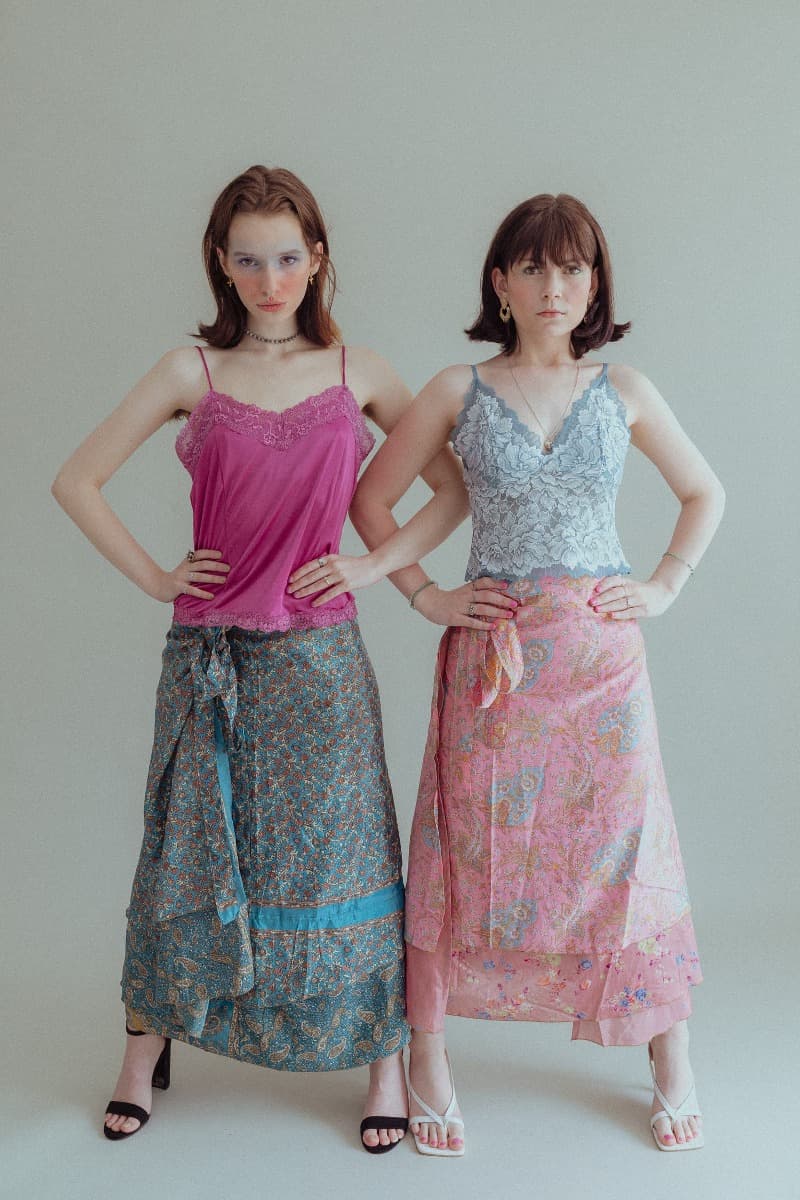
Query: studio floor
point(545, 1117)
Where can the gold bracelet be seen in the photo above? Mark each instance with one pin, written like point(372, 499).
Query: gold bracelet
point(677, 557)
point(421, 588)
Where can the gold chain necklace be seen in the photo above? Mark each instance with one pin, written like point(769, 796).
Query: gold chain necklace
point(547, 441)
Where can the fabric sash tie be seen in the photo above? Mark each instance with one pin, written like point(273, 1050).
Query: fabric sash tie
point(503, 664)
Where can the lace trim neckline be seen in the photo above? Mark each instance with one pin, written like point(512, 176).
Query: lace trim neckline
point(277, 412)
point(274, 427)
point(479, 387)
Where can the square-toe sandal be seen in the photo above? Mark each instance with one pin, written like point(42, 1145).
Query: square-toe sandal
point(378, 1123)
point(687, 1108)
point(123, 1108)
point(432, 1118)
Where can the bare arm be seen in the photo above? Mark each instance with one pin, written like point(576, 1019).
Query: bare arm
point(175, 382)
point(657, 433)
point(417, 445)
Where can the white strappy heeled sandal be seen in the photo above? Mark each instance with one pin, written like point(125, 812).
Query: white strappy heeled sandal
point(433, 1118)
point(687, 1108)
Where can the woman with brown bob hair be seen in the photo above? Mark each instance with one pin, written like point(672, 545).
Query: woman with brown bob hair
point(266, 914)
point(545, 880)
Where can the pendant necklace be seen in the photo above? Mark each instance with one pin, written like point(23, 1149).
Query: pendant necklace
point(548, 438)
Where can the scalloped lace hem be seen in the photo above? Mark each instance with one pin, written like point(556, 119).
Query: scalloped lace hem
point(267, 623)
point(552, 571)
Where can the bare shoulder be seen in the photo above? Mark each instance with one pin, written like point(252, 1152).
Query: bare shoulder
point(638, 393)
point(181, 372)
point(380, 391)
point(455, 379)
point(452, 383)
point(366, 365)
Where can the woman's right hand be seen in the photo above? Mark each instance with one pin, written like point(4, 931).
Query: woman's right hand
point(476, 605)
point(203, 567)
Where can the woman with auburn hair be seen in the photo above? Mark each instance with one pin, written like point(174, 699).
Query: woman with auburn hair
point(545, 880)
point(266, 915)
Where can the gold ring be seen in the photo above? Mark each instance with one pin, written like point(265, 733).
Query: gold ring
point(471, 609)
point(327, 579)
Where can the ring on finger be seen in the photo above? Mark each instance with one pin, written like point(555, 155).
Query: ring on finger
point(191, 556)
point(321, 561)
point(326, 579)
point(471, 609)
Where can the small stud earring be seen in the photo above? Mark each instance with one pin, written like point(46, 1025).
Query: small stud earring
point(505, 311)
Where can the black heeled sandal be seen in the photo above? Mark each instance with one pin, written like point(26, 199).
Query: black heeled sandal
point(123, 1108)
point(378, 1123)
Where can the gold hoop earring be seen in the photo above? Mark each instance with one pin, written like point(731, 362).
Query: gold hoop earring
point(505, 311)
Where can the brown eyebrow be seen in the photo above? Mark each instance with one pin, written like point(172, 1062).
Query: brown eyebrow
point(255, 253)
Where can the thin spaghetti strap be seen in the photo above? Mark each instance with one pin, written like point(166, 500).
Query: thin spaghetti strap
point(205, 367)
point(344, 368)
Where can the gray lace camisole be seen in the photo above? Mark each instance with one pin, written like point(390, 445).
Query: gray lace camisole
point(537, 514)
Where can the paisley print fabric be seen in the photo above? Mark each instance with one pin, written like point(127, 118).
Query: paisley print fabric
point(266, 915)
point(545, 876)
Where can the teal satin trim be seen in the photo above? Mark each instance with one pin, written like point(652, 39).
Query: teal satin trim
point(387, 900)
point(229, 913)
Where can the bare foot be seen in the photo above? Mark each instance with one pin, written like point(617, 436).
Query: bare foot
point(387, 1097)
point(429, 1075)
point(135, 1079)
point(675, 1078)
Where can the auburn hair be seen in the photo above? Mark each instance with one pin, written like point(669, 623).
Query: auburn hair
point(267, 190)
point(556, 229)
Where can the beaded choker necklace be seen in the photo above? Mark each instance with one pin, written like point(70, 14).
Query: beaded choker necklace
point(272, 341)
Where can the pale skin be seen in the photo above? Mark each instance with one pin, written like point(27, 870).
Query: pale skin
point(540, 379)
point(270, 263)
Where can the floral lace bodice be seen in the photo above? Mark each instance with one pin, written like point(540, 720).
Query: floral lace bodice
point(536, 514)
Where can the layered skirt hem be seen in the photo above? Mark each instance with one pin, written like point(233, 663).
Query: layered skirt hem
point(545, 877)
point(266, 916)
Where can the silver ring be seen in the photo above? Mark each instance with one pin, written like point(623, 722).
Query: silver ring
point(321, 562)
point(326, 579)
point(470, 609)
point(191, 556)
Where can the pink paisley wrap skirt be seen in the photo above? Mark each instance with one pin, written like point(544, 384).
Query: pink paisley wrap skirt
point(545, 880)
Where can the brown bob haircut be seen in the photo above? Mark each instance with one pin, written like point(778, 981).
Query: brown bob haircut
point(556, 229)
point(267, 190)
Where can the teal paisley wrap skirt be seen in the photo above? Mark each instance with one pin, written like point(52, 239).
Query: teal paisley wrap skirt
point(266, 917)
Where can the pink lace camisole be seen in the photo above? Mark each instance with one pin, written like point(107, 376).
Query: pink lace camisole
point(271, 491)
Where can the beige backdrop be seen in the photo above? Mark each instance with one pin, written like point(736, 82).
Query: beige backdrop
point(418, 125)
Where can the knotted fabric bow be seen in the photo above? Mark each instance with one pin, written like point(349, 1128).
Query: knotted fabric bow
point(503, 664)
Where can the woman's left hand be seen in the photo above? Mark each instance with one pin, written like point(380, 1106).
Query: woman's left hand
point(333, 575)
point(624, 599)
